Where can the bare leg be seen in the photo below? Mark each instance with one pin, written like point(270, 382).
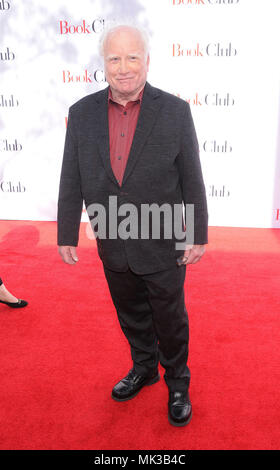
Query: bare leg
point(5, 295)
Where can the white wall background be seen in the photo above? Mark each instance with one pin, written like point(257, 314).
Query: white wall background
point(229, 72)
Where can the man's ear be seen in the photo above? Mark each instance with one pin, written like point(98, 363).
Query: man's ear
point(148, 62)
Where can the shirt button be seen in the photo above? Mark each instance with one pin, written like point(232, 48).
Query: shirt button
point(125, 113)
point(119, 157)
point(122, 134)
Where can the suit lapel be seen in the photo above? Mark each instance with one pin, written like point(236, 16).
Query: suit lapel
point(103, 133)
point(148, 113)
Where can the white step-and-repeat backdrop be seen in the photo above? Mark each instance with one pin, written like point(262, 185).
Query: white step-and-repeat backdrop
point(222, 56)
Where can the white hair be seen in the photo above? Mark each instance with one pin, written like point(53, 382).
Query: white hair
point(113, 26)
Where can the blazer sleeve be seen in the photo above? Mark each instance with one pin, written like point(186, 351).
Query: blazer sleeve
point(70, 200)
point(191, 178)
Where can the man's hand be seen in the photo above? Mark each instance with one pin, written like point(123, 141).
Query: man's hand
point(192, 254)
point(68, 254)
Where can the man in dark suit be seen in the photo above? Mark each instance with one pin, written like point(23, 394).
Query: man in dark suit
point(137, 144)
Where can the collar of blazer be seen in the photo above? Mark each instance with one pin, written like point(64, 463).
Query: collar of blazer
point(150, 106)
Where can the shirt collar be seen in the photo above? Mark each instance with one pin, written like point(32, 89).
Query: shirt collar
point(138, 100)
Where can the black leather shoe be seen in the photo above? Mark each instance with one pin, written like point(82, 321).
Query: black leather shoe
point(19, 304)
point(179, 408)
point(131, 385)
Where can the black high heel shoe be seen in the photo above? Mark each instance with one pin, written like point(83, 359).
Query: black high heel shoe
point(19, 304)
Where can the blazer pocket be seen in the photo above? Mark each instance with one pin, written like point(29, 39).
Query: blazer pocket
point(160, 141)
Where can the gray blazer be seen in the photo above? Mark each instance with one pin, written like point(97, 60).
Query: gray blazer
point(163, 167)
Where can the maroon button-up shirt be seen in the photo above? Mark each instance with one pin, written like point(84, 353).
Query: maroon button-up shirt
point(122, 125)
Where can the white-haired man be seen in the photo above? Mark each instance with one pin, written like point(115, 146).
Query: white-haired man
point(137, 143)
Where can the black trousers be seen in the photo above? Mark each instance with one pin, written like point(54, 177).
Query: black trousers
point(152, 314)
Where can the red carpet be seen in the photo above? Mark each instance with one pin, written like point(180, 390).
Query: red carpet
point(61, 355)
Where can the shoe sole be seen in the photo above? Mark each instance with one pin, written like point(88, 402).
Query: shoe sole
point(179, 425)
point(154, 380)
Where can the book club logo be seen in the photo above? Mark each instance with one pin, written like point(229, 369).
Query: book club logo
point(10, 146)
point(7, 55)
point(216, 49)
point(85, 76)
point(210, 99)
point(204, 2)
point(212, 146)
point(11, 187)
point(218, 192)
point(67, 27)
point(8, 101)
point(4, 5)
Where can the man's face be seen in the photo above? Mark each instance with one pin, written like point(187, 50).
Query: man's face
point(126, 64)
